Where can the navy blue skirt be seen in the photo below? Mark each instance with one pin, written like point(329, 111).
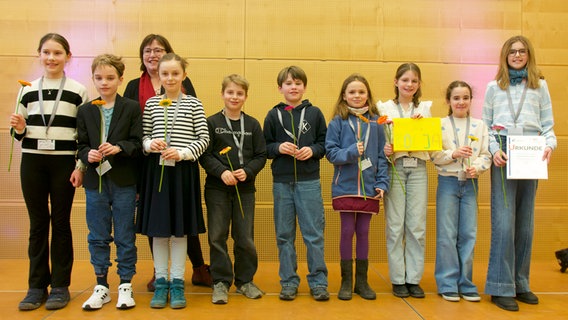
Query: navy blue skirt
point(175, 210)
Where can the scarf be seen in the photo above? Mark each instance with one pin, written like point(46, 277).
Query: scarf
point(145, 89)
point(357, 111)
point(517, 76)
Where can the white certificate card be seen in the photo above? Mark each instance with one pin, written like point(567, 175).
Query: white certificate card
point(525, 157)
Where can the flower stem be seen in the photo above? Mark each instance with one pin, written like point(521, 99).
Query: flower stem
point(502, 174)
point(237, 188)
point(14, 130)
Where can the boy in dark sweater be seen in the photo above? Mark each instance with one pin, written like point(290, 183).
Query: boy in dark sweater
point(295, 139)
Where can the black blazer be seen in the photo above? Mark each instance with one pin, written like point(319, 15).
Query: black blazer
point(125, 131)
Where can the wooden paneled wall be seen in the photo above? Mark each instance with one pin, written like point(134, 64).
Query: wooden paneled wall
point(330, 39)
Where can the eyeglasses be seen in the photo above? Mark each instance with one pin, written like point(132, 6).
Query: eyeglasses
point(156, 51)
point(521, 52)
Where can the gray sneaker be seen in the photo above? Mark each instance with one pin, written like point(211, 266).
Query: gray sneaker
point(320, 293)
point(220, 293)
point(250, 290)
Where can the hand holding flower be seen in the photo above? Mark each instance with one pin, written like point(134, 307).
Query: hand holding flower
point(360, 148)
point(229, 178)
point(304, 153)
point(17, 121)
point(500, 160)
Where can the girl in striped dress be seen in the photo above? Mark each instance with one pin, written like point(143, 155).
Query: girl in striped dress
point(175, 135)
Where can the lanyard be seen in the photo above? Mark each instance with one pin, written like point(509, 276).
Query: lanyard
point(299, 125)
point(401, 113)
point(357, 136)
point(511, 108)
point(456, 131)
point(55, 105)
point(178, 102)
point(238, 143)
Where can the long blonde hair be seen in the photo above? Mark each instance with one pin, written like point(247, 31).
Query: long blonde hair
point(533, 72)
point(341, 107)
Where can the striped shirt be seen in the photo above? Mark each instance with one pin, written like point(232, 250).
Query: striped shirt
point(63, 129)
point(189, 134)
point(535, 117)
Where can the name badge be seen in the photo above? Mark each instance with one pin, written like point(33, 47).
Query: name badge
point(168, 163)
point(515, 131)
point(46, 144)
point(409, 162)
point(103, 168)
point(461, 175)
point(366, 164)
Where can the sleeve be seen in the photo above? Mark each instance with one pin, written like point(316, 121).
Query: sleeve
point(487, 116)
point(258, 161)
point(546, 116)
point(196, 147)
point(334, 152)
point(210, 163)
point(83, 146)
point(382, 177)
point(483, 161)
point(132, 146)
point(318, 147)
point(269, 130)
point(130, 91)
point(188, 87)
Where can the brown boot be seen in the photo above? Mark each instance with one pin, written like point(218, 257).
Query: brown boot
point(150, 286)
point(201, 276)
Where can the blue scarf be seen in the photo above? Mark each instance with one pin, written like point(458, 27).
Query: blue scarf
point(517, 76)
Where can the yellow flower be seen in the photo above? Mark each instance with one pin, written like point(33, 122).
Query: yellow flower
point(225, 150)
point(472, 138)
point(165, 103)
point(24, 83)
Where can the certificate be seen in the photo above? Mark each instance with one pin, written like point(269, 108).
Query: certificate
point(525, 157)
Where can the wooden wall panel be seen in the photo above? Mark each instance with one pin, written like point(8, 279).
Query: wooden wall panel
point(329, 39)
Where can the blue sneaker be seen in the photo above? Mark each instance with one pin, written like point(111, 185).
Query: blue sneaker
point(160, 298)
point(177, 294)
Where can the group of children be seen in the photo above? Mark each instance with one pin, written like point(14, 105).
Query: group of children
point(152, 148)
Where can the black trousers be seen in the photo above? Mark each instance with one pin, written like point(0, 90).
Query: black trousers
point(45, 185)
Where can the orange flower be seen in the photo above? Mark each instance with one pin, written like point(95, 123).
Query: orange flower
point(24, 83)
point(165, 103)
point(384, 120)
point(225, 150)
point(98, 103)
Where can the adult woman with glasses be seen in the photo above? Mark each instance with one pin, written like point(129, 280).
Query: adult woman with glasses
point(516, 103)
point(152, 49)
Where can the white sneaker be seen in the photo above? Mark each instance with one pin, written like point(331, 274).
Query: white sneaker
point(100, 296)
point(125, 296)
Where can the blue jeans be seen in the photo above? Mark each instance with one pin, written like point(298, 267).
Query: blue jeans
point(456, 229)
point(304, 201)
point(406, 223)
point(224, 214)
point(511, 235)
point(113, 207)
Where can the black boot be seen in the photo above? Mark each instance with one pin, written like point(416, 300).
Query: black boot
point(345, 292)
point(361, 286)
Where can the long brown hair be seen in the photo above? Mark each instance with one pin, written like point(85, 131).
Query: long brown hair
point(533, 72)
point(409, 66)
point(341, 107)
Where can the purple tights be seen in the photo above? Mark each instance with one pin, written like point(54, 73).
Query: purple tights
point(354, 223)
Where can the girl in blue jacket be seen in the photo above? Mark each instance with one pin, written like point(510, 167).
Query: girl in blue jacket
point(354, 145)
